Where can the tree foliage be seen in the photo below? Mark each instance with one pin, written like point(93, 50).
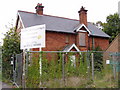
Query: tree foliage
point(112, 26)
point(11, 45)
point(98, 59)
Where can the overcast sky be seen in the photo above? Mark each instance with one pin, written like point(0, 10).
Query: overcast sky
point(98, 10)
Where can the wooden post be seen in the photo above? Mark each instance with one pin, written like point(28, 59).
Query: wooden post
point(92, 66)
point(23, 76)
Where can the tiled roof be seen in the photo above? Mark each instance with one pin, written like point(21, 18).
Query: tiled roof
point(57, 24)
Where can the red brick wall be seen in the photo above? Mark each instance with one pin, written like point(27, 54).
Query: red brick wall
point(57, 41)
point(102, 42)
point(90, 43)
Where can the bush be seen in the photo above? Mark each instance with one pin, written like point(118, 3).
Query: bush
point(10, 46)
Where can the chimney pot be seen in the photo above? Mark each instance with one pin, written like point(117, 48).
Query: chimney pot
point(39, 9)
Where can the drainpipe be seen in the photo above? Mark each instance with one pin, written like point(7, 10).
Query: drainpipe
point(93, 44)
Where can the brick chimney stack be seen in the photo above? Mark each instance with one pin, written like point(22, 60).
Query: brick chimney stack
point(39, 9)
point(83, 16)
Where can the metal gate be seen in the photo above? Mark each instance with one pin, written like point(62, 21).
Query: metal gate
point(17, 69)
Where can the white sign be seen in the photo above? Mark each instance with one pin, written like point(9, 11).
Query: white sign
point(107, 61)
point(33, 37)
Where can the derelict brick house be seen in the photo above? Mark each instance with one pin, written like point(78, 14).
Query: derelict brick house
point(64, 33)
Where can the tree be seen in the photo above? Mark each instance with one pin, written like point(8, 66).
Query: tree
point(98, 59)
point(99, 24)
point(112, 26)
point(11, 45)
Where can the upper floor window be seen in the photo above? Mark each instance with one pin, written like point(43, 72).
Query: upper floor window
point(82, 39)
point(67, 39)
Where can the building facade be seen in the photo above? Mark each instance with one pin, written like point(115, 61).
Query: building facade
point(63, 32)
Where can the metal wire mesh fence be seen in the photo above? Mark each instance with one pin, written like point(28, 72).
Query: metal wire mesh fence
point(17, 69)
point(66, 69)
point(56, 69)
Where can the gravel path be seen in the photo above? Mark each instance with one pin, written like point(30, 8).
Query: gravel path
point(4, 85)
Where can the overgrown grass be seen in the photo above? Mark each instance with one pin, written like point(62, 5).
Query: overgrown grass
point(55, 75)
point(105, 78)
point(33, 76)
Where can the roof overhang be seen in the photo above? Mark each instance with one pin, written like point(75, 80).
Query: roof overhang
point(20, 19)
point(99, 36)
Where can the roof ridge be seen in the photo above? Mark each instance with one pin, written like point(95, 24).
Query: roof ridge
point(48, 15)
point(25, 11)
point(61, 17)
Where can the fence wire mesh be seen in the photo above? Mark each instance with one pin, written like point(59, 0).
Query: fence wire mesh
point(58, 69)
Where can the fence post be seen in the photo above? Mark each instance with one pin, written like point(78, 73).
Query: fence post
point(63, 68)
point(23, 76)
point(14, 70)
point(88, 63)
point(40, 67)
point(92, 66)
point(114, 66)
point(26, 67)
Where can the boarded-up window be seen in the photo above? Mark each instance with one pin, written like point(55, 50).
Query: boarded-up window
point(82, 39)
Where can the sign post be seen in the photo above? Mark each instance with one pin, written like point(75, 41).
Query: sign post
point(40, 65)
point(40, 62)
point(33, 37)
